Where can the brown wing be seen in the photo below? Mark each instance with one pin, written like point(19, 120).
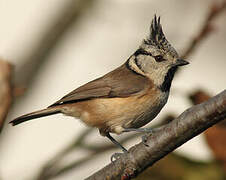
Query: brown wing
point(121, 82)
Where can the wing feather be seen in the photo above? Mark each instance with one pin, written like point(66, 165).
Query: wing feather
point(122, 82)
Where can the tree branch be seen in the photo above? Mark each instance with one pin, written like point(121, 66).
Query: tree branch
point(164, 140)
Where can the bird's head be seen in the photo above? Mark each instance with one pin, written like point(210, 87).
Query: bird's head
point(156, 58)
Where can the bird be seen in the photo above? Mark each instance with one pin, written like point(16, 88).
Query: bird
point(126, 98)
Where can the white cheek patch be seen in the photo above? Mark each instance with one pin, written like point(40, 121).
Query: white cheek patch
point(152, 70)
point(134, 67)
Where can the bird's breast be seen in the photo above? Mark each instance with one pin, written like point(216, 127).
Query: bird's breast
point(151, 104)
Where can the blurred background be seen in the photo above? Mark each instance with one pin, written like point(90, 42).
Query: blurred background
point(55, 46)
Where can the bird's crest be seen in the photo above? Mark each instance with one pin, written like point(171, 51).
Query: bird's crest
point(157, 37)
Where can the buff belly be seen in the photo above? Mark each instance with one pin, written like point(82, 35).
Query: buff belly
point(115, 114)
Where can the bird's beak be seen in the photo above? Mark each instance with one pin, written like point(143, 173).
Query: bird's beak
point(181, 62)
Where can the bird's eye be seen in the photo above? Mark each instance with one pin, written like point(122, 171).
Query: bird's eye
point(159, 58)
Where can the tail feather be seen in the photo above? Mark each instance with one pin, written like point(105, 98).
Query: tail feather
point(33, 115)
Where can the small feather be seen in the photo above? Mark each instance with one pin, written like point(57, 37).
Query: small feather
point(157, 37)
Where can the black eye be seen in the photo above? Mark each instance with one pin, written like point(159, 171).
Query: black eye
point(159, 58)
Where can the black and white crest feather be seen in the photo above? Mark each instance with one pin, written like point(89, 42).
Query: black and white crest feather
point(157, 37)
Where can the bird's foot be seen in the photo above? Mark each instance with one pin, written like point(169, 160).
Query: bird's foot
point(144, 139)
point(116, 156)
point(147, 132)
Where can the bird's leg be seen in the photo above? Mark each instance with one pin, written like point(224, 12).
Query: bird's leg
point(116, 142)
point(116, 155)
point(142, 130)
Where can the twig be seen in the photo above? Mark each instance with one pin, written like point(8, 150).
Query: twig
point(207, 27)
point(5, 90)
point(163, 141)
point(49, 170)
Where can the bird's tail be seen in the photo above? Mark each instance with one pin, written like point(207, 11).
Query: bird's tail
point(36, 114)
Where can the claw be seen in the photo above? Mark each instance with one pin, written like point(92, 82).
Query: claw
point(116, 156)
point(144, 140)
point(147, 131)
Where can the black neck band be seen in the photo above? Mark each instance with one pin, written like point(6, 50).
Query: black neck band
point(168, 79)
